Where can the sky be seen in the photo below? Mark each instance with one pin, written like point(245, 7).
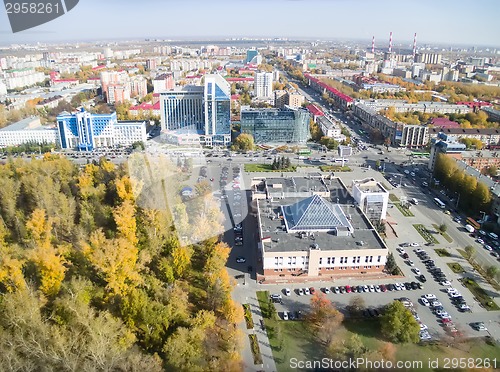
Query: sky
point(454, 22)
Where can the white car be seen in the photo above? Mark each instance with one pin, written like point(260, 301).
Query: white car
point(436, 304)
point(285, 315)
point(401, 250)
point(451, 290)
point(414, 244)
point(365, 288)
point(455, 294)
point(301, 292)
point(401, 286)
point(488, 247)
point(377, 288)
point(424, 335)
point(288, 292)
point(429, 296)
point(423, 327)
point(326, 290)
point(417, 271)
point(418, 250)
point(410, 262)
point(425, 302)
point(445, 283)
point(306, 291)
point(371, 288)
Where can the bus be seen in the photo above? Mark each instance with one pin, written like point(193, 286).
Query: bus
point(304, 152)
point(473, 223)
point(439, 203)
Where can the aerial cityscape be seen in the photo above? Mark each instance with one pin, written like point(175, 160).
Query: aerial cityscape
point(251, 186)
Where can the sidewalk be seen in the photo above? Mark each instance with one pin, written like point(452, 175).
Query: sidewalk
point(246, 294)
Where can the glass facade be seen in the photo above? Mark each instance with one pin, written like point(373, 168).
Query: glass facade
point(205, 111)
point(276, 126)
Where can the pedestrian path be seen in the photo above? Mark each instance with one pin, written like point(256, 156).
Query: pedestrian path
point(244, 294)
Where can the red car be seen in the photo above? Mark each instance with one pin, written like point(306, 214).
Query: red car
point(312, 290)
point(446, 320)
point(348, 288)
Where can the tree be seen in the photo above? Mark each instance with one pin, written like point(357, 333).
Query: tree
point(244, 142)
point(323, 318)
point(356, 306)
point(398, 324)
point(491, 272)
point(442, 228)
point(470, 252)
point(390, 265)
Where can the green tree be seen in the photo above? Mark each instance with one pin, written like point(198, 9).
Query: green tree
point(390, 265)
point(398, 324)
point(491, 272)
point(244, 142)
point(442, 228)
point(470, 252)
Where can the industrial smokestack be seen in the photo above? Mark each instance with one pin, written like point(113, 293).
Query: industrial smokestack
point(414, 46)
point(390, 43)
point(373, 45)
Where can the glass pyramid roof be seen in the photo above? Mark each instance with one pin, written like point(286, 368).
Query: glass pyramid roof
point(313, 214)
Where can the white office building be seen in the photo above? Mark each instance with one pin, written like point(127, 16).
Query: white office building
point(371, 197)
point(28, 130)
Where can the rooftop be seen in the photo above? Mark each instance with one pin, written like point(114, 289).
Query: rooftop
point(276, 239)
point(31, 123)
point(295, 185)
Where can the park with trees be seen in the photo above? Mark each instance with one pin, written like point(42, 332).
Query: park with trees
point(92, 280)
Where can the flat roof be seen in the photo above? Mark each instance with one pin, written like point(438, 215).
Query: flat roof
point(296, 184)
point(31, 123)
point(273, 227)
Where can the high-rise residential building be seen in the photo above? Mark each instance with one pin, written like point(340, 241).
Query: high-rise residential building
point(163, 82)
point(150, 64)
point(85, 131)
point(263, 84)
point(3, 89)
point(295, 99)
point(138, 86)
point(429, 58)
point(117, 93)
point(280, 98)
point(194, 114)
point(275, 125)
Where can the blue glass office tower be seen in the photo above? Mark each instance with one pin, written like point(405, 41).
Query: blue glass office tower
point(198, 115)
point(276, 125)
point(217, 99)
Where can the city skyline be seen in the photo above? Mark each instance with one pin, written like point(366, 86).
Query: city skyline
point(435, 22)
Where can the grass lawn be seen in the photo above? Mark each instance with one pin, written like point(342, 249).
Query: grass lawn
point(480, 294)
point(393, 198)
point(266, 168)
point(456, 268)
point(424, 233)
point(442, 252)
point(444, 235)
point(293, 339)
point(254, 344)
point(248, 316)
point(404, 211)
point(479, 269)
point(335, 168)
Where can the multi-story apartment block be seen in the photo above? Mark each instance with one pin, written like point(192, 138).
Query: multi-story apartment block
point(27, 130)
point(263, 85)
